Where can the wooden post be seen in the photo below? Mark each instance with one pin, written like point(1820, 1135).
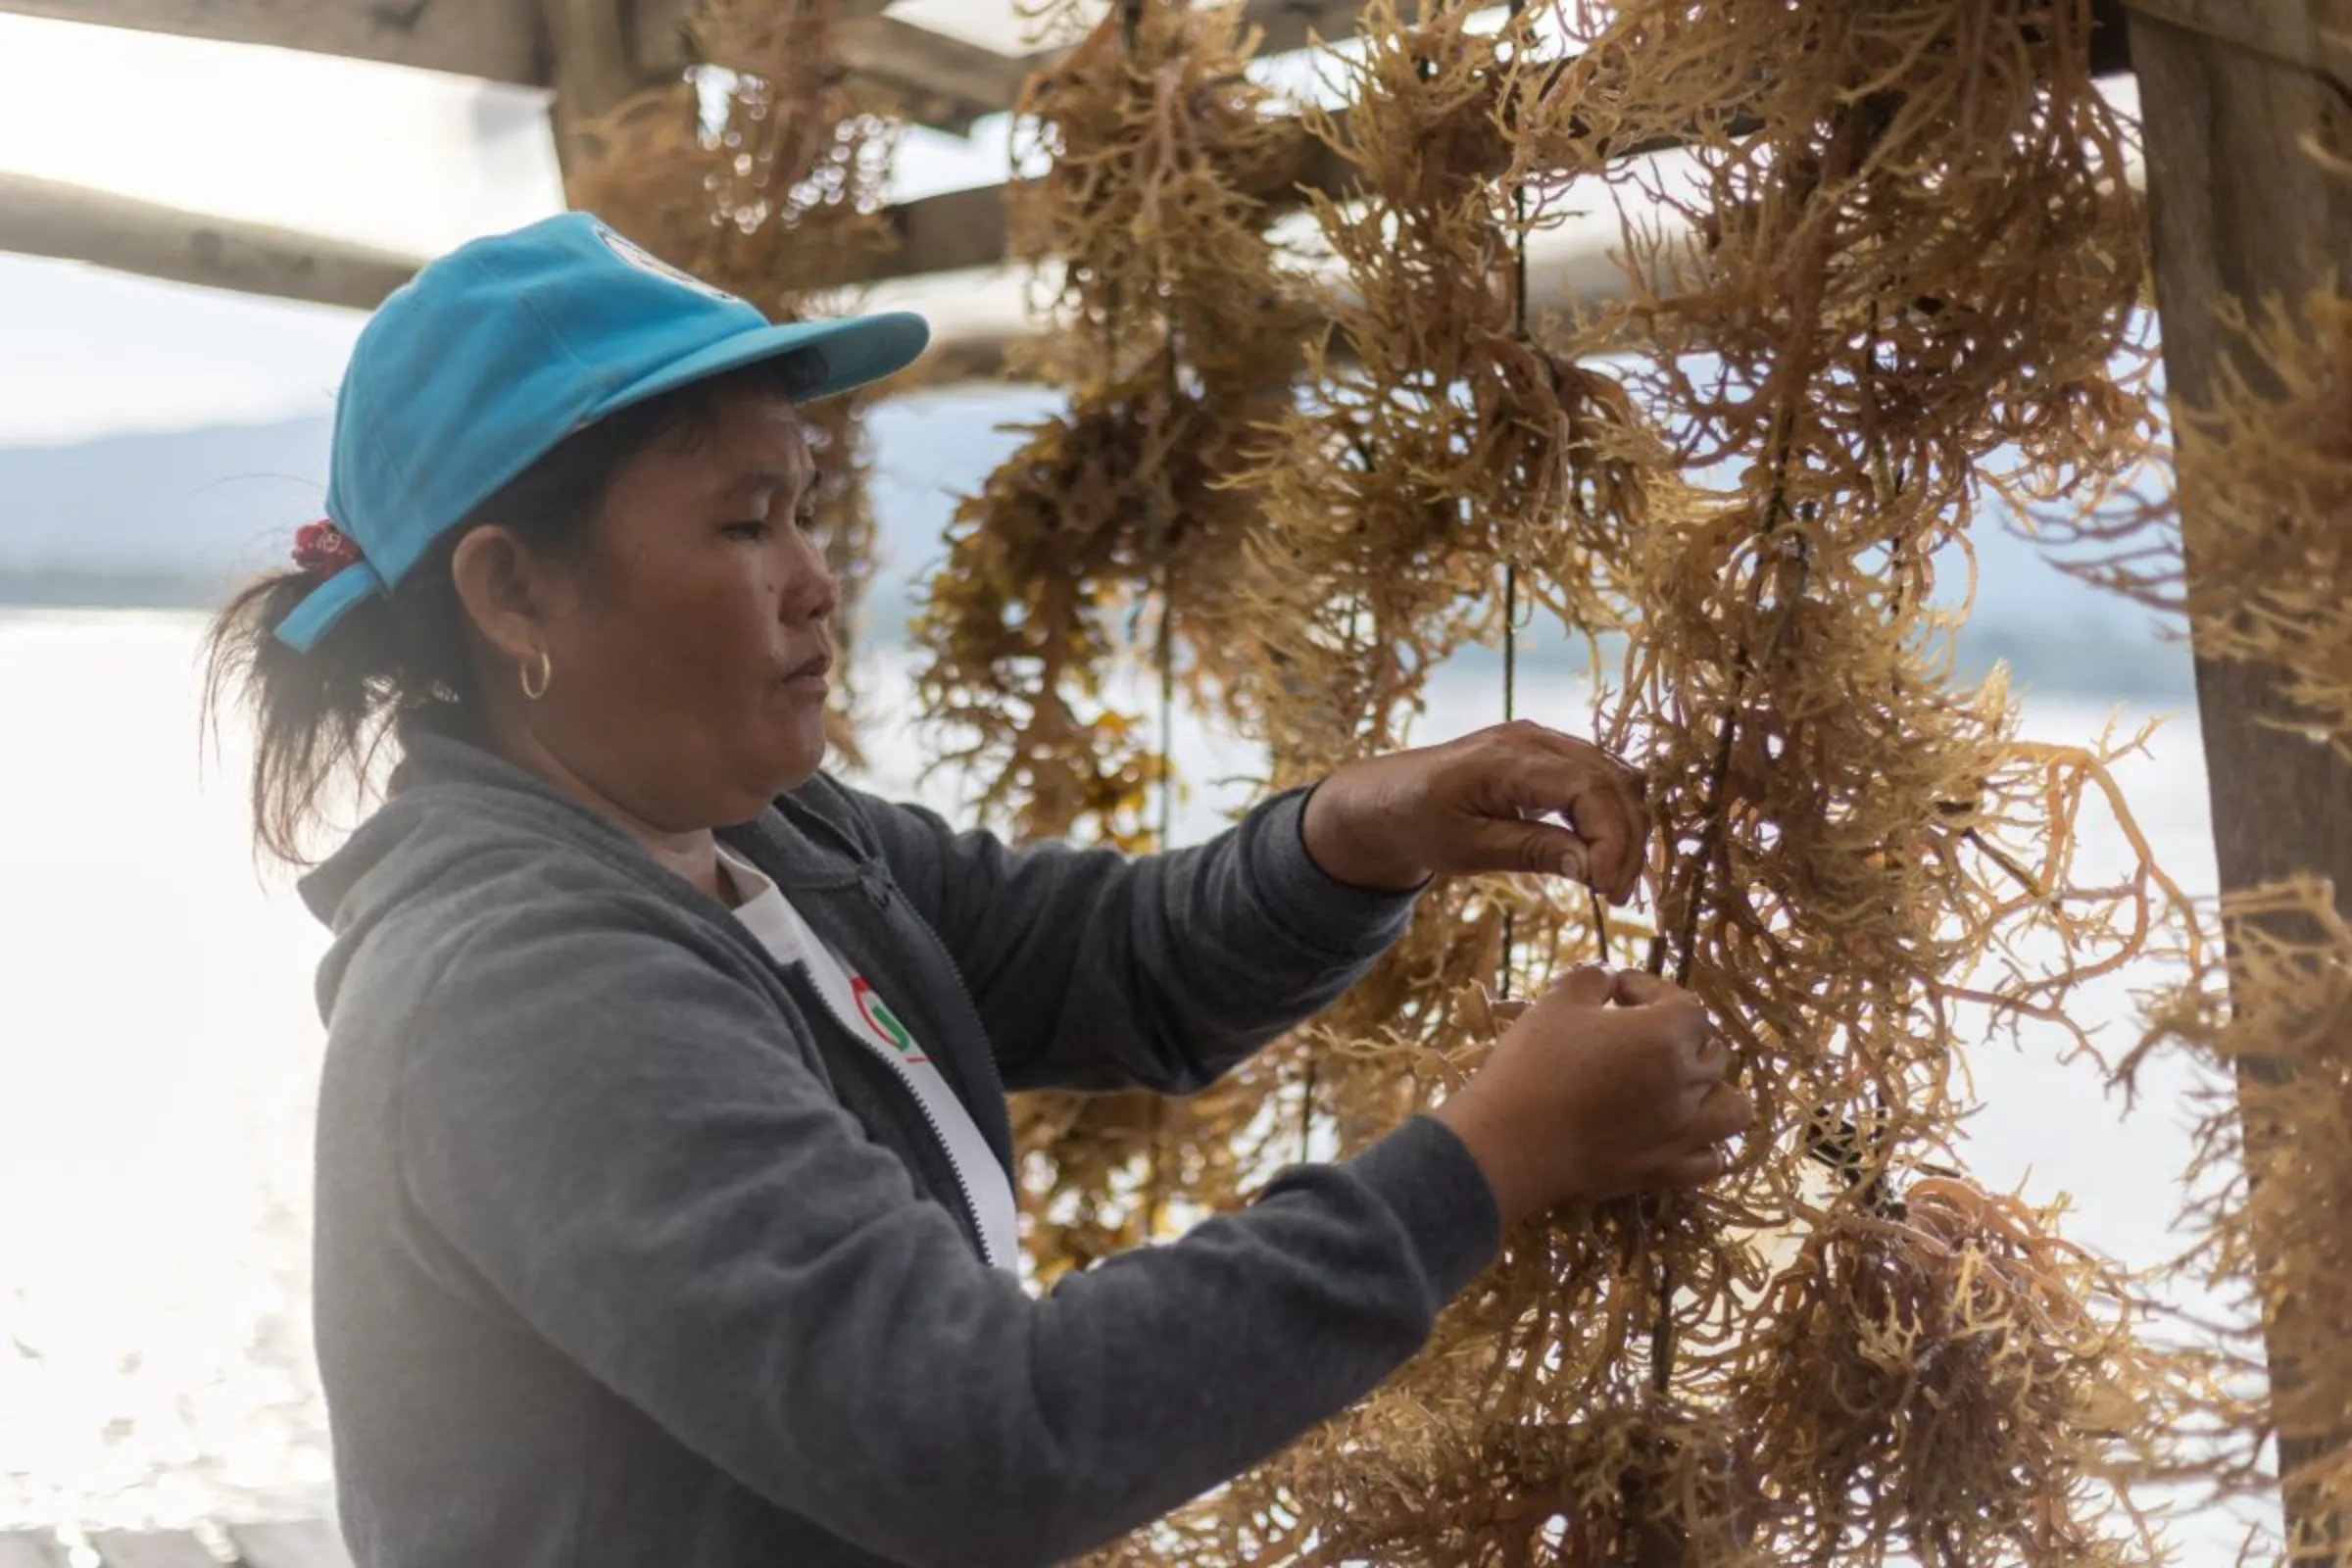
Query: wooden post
point(594, 68)
point(2234, 96)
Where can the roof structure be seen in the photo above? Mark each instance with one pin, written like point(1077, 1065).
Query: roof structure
point(946, 67)
point(943, 64)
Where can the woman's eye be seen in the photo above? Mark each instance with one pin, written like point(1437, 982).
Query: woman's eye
point(804, 520)
point(750, 528)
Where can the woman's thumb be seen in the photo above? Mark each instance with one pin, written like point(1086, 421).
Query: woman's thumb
point(1543, 849)
point(1587, 985)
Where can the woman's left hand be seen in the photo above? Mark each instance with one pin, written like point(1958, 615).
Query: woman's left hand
point(1481, 804)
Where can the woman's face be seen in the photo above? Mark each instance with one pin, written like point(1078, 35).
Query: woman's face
point(688, 651)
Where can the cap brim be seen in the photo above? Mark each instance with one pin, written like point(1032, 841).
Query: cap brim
point(327, 604)
point(845, 355)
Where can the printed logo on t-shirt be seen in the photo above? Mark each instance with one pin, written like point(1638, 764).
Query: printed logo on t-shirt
point(884, 1022)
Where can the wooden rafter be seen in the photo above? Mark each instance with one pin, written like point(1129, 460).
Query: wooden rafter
point(1283, 25)
point(494, 39)
point(939, 81)
point(927, 77)
point(45, 217)
point(930, 78)
point(958, 231)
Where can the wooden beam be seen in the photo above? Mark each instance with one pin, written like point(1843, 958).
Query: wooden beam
point(944, 82)
point(498, 39)
point(44, 218)
point(2234, 98)
point(1576, 266)
point(936, 79)
point(1284, 25)
point(894, 66)
point(663, 30)
point(1288, 25)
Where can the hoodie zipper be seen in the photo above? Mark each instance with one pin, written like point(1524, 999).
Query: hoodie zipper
point(873, 876)
point(873, 872)
point(971, 1003)
point(939, 1136)
point(906, 1078)
point(878, 888)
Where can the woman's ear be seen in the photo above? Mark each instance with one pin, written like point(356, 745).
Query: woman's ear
point(507, 592)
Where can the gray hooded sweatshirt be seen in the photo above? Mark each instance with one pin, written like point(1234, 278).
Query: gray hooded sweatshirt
point(629, 1254)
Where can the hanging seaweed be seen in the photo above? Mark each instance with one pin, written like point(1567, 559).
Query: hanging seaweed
point(1916, 264)
point(2270, 1192)
point(1920, 1338)
point(1445, 456)
point(1448, 449)
point(1094, 578)
point(1178, 327)
point(1023, 625)
point(765, 177)
point(1914, 275)
point(2263, 466)
point(2270, 457)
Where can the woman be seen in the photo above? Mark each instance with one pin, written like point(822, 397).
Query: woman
point(664, 1205)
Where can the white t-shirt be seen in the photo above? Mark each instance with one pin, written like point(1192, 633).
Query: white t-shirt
point(860, 1009)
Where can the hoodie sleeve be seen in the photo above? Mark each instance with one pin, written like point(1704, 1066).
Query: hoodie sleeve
point(1097, 972)
point(624, 1140)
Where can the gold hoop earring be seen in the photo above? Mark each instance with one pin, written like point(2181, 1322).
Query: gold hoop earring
point(545, 669)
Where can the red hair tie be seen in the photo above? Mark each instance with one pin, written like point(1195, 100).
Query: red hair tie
point(321, 549)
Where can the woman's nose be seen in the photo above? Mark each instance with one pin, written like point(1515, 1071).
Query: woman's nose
point(811, 591)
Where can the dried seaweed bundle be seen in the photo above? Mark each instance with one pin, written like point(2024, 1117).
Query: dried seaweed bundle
point(769, 182)
point(1152, 204)
point(1024, 621)
point(1908, 1343)
point(1109, 546)
point(1928, 228)
point(2255, 557)
point(2271, 1196)
point(1180, 327)
point(1919, 263)
point(2266, 464)
point(1452, 453)
point(1917, 253)
point(1916, 265)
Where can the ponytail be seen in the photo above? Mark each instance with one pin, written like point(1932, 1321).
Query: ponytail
point(317, 718)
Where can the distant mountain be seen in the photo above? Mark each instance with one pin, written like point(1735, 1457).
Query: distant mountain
point(205, 505)
point(174, 520)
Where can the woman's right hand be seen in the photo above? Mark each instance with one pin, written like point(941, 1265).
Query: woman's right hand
point(1611, 1083)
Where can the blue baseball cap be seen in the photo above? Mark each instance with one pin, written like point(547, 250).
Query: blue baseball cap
point(488, 358)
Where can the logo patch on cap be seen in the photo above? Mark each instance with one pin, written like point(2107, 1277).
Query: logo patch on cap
point(646, 261)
